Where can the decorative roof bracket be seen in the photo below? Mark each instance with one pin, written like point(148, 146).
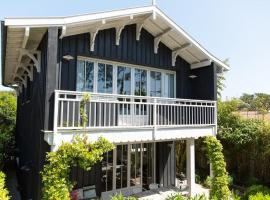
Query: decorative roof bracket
point(31, 55)
point(177, 51)
point(29, 71)
point(93, 33)
point(158, 39)
point(139, 27)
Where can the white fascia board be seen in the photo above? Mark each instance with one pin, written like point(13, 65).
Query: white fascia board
point(70, 20)
point(60, 21)
point(190, 39)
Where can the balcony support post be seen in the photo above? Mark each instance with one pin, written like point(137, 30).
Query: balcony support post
point(155, 118)
point(190, 153)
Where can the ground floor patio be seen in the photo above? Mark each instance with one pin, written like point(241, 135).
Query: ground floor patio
point(164, 192)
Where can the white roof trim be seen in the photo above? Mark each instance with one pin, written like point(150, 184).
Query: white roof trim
point(188, 37)
point(60, 21)
point(96, 17)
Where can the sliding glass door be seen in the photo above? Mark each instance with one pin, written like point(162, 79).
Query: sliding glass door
point(128, 166)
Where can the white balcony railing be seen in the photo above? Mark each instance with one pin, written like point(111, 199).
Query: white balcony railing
point(126, 111)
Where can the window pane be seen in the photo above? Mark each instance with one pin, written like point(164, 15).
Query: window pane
point(110, 171)
point(137, 82)
point(143, 83)
point(140, 82)
point(148, 164)
point(135, 165)
point(89, 76)
point(171, 86)
point(109, 78)
point(155, 84)
point(80, 76)
point(120, 80)
point(121, 167)
point(158, 84)
point(107, 171)
point(124, 80)
point(127, 84)
point(101, 77)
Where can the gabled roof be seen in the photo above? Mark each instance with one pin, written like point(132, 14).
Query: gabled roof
point(26, 33)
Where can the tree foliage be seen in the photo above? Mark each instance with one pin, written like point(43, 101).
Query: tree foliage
point(7, 125)
point(55, 175)
point(257, 102)
point(246, 143)
point(219, 181)
point(4, 195)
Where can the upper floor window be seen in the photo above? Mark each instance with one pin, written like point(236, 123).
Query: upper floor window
point(85, 76)
point(116, 78)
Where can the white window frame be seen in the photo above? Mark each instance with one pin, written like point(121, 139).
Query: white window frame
point(133, 67)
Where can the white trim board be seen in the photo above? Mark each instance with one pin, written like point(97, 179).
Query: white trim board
point(125, 136)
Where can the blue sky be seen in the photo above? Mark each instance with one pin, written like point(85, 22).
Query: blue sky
point(238, 30)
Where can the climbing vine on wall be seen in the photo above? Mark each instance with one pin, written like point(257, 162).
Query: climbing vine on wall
point(83, 114)
point(55, 175)
point(219, 181)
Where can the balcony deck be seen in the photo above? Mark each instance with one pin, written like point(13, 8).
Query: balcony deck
point(126, 118)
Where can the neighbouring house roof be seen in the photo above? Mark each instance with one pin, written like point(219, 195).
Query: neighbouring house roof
point(26, 33)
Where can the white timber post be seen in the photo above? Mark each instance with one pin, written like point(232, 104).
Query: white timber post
point(190, 150)
point(56, 103)
point(155, 118)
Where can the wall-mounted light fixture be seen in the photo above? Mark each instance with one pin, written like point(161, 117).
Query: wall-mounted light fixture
point(68, 57)
point(192, 76)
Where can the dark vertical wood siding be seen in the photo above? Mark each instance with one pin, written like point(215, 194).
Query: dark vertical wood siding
point(33, 116)
point(129, 51)
point(165, 163)
point(204, 86)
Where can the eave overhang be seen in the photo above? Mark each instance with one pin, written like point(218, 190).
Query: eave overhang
point(26, 33)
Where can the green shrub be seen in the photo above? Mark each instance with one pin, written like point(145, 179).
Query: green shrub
point(198, 197)
point(3, 191)
point(55, 175)
point(252, 181)
point(198, 179)
point(179, 196)
point(254, 189)
point(207, 182)
point(259, 196)
point(7, 125)
point(219, 182)
point(121, 197)
point(176, 196)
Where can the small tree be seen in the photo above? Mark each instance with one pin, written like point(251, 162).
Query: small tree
point(7, 125)
point(219, 182)
point(3, 191)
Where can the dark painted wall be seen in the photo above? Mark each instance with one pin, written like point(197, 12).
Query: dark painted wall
point(204, 86)
point(33, 113)
point(165, 163)
point(129, 51)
